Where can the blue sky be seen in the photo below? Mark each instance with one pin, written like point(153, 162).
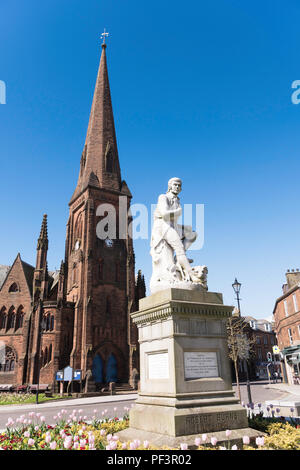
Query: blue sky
point(201, 90)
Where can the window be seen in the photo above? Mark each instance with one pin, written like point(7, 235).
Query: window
point(2, 318)
point(253, 324)
point(258, 340)
point(290, 336)
point(10, 319)
point(10, 361)
point(265, 339)
point(267, 327)
point(19, 318)
point(14, 288)
point(259, 354)
point(295, 302)
point(285, 308)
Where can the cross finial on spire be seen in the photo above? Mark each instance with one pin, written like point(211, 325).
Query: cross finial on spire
point(104, 35)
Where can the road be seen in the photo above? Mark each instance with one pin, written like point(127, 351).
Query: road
point(114, 406)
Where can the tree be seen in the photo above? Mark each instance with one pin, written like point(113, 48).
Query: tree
point(239, 344)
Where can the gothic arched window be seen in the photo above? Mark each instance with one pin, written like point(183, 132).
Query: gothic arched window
point(11, 318)
point(14, 288)
point(19, 318)
point(2, 318)
point(10, 360)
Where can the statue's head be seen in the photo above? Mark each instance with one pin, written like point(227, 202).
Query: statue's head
point(174, 185)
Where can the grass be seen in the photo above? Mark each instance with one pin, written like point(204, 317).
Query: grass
point(10, 398)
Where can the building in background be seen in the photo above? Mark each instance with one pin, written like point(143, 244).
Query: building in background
point(79, 315)
point(287, 326)
point(264, 362)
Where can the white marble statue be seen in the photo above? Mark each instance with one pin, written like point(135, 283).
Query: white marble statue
point(169, 242)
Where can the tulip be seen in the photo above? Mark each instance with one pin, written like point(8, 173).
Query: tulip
point(214, 441)
point(246, 440)
point(67, 443)
point(53, 445)
point(183, 446)
point(26, 434)
point(260, 441)
point(30, 442)
point(82, 442)
point(198, 441)
point(146, 444)
point(137, 442)
point(228, 432)
point(234, 447)
point(132, 445)
point(204, 437)
point(124, 446)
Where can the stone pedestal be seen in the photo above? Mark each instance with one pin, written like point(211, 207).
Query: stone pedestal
point(185, 374)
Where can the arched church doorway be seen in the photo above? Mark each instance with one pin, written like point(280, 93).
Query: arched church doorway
point(111, 369)
point(97, 369)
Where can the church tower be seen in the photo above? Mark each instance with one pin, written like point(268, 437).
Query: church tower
point(100, 271)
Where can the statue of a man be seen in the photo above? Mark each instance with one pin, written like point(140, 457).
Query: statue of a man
point(169, 238)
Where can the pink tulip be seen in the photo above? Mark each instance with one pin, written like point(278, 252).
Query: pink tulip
point(246, 440)
point(183, 446)
point(234, 447)
point(198, 441)
point(26, 434)
point(124, 445)
point(260, 441)
point(31, 442)
point(228, 432)
point(102, 432)
point(53, 445)
point(146, 444)
point(204, 437)
point(68, 442)
point(132, 446)
point(213, 441)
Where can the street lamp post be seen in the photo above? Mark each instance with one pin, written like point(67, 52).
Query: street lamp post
point(237, 287)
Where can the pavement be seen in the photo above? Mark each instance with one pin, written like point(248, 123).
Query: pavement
point(293, 390)
point(74, 402)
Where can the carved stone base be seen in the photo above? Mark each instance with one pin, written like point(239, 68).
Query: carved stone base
point(160, 440)
point(175, 422)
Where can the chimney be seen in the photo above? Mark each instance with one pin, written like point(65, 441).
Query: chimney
point(292, 277)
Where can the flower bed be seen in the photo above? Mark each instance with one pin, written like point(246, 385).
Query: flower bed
point(77, 432)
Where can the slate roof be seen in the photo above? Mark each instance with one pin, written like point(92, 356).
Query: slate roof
point(3, 273)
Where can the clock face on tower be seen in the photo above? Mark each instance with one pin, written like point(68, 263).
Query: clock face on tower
point(109, 243)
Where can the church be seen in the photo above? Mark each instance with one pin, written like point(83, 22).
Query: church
point(78, 316)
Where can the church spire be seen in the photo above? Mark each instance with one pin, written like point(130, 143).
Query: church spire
point(99, 164)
